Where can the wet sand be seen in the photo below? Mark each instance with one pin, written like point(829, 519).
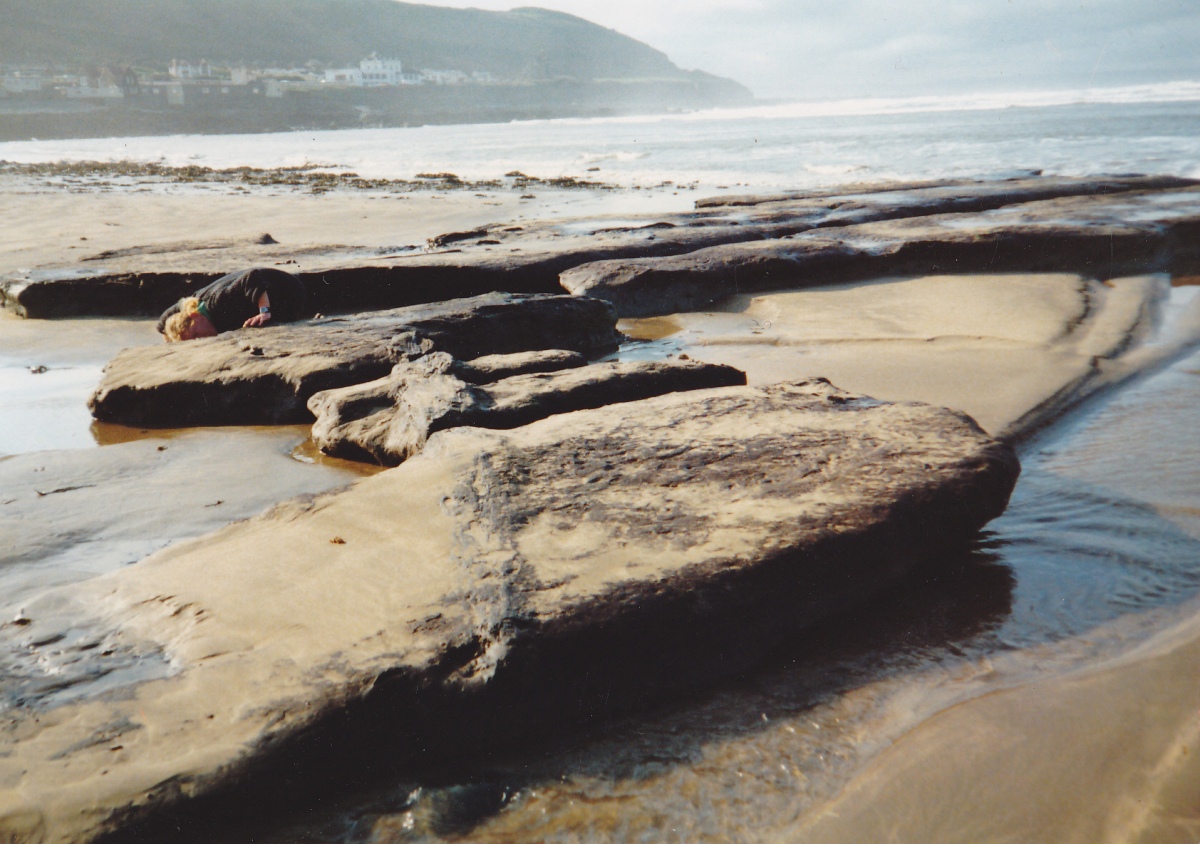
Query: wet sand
point(1108, 750)
point(45, 225)
point(909, 754)
point(1010, 350)
point(1104, 754)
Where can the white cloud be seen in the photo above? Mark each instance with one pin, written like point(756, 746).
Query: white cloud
point(830, 48)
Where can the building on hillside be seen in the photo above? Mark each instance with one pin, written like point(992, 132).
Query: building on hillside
point(377, 71)
point(372, 72)
point(23, 82)
point(444, 77)
point(99, 84)
point(186, 70)
point(344, 76)
point(215, 94)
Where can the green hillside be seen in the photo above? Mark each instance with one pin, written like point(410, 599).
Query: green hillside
point(525, 43)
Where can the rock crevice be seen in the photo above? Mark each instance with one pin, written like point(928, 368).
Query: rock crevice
point(267, 376)
point(389, 420)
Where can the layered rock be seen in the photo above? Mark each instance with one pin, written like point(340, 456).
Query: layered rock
point(266, 376)
point(1101, 237)
point(389, 420)
point(496, 585)
point(519, 258)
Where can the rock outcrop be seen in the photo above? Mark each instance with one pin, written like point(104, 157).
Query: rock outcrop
point(499, 584)
point(266, 376)
point(389, 420)
point(1100, 237)
point(527, 258)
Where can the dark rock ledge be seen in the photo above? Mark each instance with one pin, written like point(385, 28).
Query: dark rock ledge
point(389, 420)
point(1097, 236)
point(524, 259)
point(499, 585)
point(266, 376)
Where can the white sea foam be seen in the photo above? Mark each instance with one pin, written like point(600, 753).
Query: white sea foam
point(1162, 92)
point(1143, 128)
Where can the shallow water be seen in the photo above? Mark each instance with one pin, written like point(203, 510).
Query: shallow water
point(42, 408)
point(64, 476)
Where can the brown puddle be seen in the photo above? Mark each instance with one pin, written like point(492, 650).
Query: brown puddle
point(649, 328)
point(306, 451)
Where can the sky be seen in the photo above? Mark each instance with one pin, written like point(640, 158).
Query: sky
point(819, 49)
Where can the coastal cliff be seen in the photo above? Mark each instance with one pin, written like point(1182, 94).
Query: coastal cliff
point(137, 67)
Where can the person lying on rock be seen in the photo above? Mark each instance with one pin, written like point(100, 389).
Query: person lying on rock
point(246, 299)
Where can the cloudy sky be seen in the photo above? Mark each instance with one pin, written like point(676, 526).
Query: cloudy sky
point(848, 48)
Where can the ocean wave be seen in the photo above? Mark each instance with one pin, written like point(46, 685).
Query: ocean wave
point(1184, 90)
point(800, 145)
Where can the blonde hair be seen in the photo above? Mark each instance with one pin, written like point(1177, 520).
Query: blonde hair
point(181, 321)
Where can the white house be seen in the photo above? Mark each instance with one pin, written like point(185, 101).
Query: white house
point(371, 72)
point(186, 70)
point(102, 84)
point(377, 71)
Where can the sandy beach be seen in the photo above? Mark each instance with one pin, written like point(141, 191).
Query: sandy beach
point(81, 499)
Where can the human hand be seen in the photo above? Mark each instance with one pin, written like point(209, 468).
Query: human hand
point(257, 321)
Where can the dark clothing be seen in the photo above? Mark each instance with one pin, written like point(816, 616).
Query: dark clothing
point(233, 299)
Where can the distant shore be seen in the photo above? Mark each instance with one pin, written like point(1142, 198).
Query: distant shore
point(25, 118)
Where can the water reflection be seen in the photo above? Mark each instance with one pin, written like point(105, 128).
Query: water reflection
point(42, 407)
point(111, 433)
point(1085, 556)
point(305, 451)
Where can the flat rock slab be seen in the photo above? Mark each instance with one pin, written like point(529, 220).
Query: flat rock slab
point(1100, 237)
point(389, 420)
point(267, 375)
point(516, 258)
point(1013, 350)
point(497, 585)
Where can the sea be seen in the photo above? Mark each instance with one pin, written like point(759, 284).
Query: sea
point(1098, 553)
point(792, 146)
